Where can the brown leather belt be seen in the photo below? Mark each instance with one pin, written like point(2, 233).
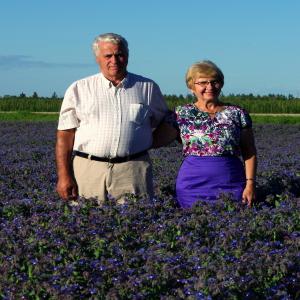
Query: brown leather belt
point(112, 160)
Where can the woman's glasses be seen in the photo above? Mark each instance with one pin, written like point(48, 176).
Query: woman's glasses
point(215, 83)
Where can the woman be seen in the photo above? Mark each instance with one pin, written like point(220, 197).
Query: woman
point(214, 135)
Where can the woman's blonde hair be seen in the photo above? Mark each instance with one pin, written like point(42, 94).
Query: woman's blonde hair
point(204, 68)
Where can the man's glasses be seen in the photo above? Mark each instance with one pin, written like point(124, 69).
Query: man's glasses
point(215, 83)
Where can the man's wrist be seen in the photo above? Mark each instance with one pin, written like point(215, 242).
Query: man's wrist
point(63, 174)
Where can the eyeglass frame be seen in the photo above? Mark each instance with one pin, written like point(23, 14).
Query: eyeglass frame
point(204, 83)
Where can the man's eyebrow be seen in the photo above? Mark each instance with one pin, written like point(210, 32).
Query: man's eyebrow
point(116, 54)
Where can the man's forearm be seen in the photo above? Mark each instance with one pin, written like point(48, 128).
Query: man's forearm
point(164, 135)
point(63, 150)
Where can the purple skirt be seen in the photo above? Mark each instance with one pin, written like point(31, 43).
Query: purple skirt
point(205, 177)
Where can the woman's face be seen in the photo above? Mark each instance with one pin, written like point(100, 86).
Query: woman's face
point(207, 88)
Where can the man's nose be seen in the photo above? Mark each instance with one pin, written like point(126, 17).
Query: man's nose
point(114, 57)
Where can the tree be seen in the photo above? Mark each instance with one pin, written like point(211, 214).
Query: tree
point(22, 95)
point(35, 95)
point(54, 96)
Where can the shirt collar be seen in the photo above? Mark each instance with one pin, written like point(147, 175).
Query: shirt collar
point(123, 84)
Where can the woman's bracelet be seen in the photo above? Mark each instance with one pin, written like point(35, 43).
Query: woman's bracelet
point(251, 179)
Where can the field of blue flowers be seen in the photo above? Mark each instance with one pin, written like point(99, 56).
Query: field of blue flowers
point(50, 249)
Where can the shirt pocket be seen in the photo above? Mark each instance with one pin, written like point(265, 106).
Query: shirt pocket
point(138, 112)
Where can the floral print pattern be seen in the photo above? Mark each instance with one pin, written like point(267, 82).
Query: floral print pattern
point(202, 135)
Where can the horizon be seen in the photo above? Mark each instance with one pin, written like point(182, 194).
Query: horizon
point(55, 96)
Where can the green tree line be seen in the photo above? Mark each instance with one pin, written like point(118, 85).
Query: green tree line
point(254, 104)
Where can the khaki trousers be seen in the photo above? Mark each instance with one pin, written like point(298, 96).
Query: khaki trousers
point(103, 180)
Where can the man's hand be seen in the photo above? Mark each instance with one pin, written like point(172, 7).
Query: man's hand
point(67, 188)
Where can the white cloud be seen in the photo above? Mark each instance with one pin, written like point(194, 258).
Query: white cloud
point(8, 62)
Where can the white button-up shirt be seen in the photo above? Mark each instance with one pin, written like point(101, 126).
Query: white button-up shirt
point(112, 121)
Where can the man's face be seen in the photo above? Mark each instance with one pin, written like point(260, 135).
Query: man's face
point(112, 60)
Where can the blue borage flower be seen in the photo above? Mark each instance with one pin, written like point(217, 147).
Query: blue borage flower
point(49, 249)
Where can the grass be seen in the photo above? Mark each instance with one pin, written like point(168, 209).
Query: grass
point(28, 116)
point(31, 116)
point(30, 104)
point(284, 119)
point(260, 104)
point(256, 105)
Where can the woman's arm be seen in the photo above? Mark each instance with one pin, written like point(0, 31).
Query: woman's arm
point(248, 148)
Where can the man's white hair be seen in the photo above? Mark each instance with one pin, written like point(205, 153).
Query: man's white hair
point(111, 38)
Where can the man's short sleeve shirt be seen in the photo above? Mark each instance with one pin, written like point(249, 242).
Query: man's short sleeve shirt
point(112, 121)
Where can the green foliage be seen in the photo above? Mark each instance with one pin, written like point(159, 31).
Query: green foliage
point(265, 119)
point(27, 116)
point(271, 104)
point(30, 104)
point(35, 95)
point(254, 104)
point(54, 96)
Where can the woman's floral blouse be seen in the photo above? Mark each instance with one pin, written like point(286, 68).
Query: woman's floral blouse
point(202, 135)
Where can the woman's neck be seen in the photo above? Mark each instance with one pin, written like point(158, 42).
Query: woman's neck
point(210, 107)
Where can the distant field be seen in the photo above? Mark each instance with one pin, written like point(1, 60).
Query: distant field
point(28, 116)
point(53, 116)
point(276, 118)
point(28, 104)
point(270, 104)
point(266, 109)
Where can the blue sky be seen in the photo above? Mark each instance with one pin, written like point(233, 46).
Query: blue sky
point(46, 45)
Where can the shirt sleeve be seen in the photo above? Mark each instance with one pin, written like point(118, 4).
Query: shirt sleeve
point(181, 115)
point(246, 121)
point(67, 117)
point(158, 106)
point(177, 113)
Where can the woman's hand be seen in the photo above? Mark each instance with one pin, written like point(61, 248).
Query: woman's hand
point(249, 193)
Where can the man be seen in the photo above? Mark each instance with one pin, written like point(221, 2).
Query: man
point(105, 129)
